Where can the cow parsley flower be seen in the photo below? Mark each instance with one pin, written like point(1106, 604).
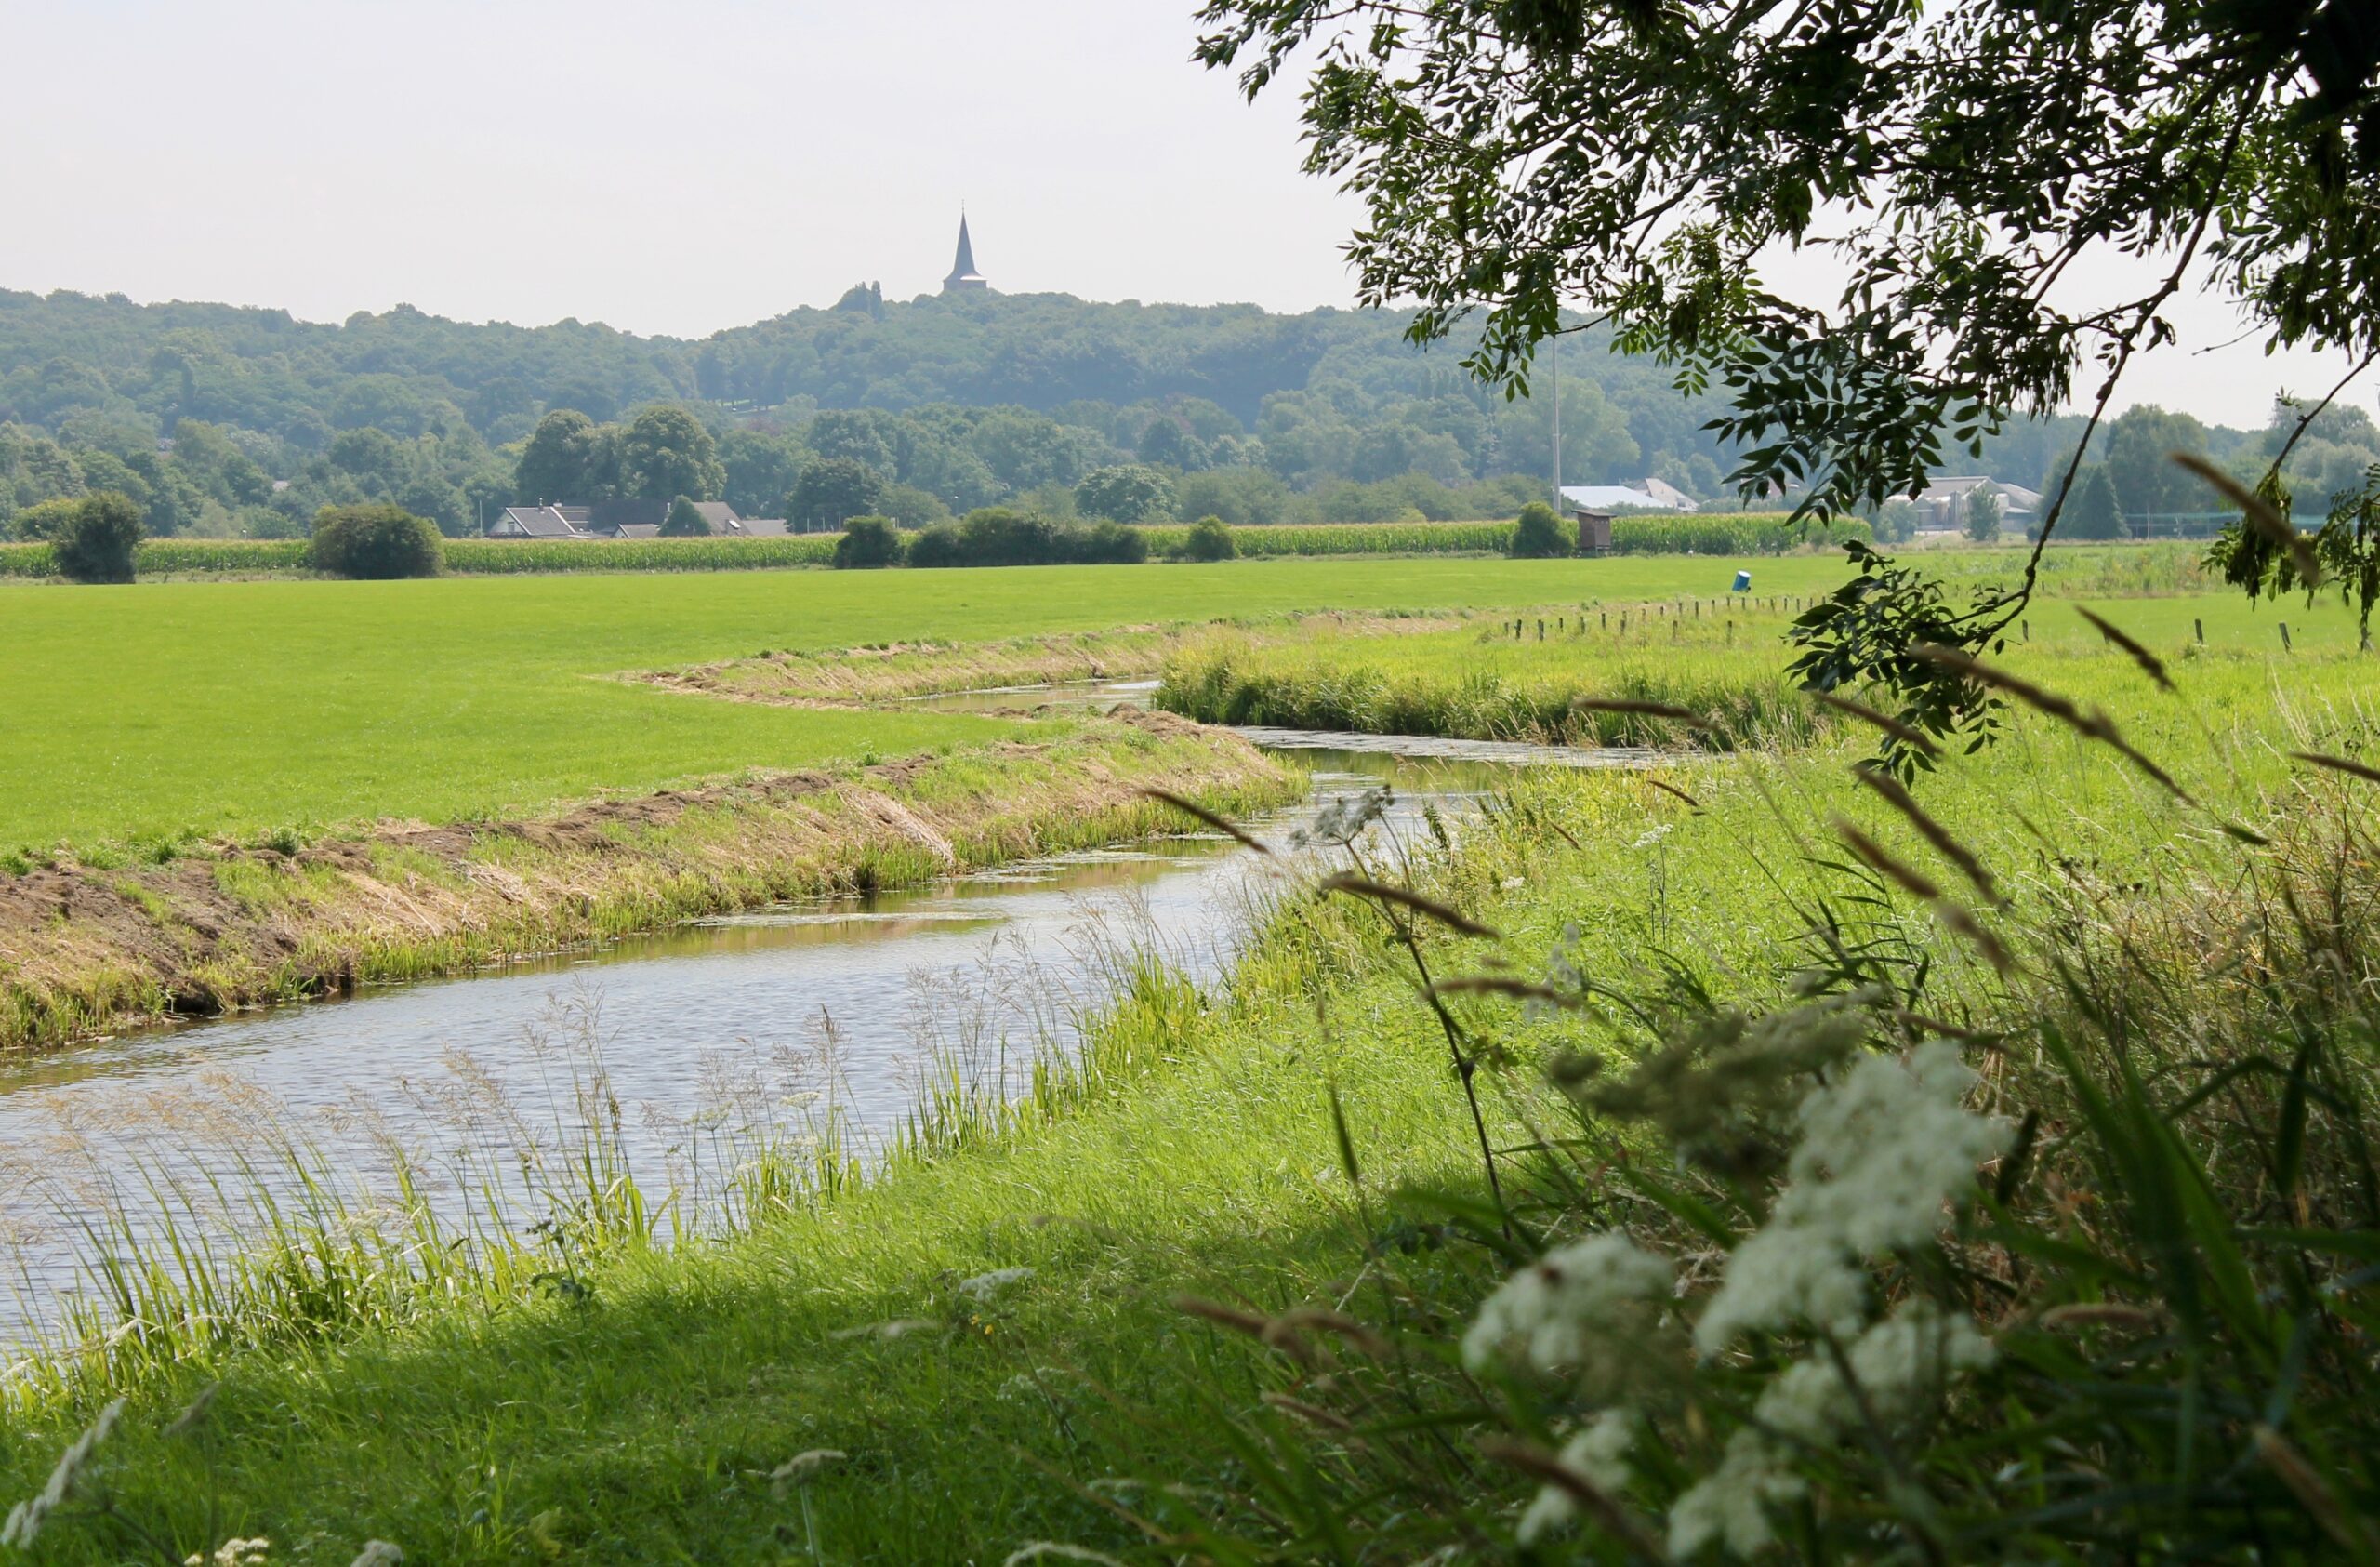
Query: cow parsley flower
point(1899, 1364)
point(1583, 1307)
point(1731, 1503)
point(1882, 1149)
point(1600, 1453)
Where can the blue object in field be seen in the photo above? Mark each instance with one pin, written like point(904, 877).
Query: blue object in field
point(1743, 582)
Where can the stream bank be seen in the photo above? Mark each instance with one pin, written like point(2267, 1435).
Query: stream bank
point(89, 949)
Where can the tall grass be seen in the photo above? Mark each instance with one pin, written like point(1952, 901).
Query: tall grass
point(1596, 682)
point(1773, 1274)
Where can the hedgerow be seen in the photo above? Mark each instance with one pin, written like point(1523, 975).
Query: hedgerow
point(1721, 534)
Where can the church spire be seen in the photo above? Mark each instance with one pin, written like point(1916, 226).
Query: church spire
point(963, 274)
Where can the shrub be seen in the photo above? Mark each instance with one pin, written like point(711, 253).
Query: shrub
point(1538, 535)
point(684, 521)
point(867, 542)
point(96, 543)
point(999, 536)
point(1208, 541)
point(937, 546)
point(375, 543)
point(1107, 544)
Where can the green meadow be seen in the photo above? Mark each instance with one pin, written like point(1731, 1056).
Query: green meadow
point(234, 707)
point(825, 1386)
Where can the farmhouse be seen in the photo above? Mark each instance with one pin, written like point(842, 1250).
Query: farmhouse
point(1652, 495)
point(1943, 506)
point(624, 519)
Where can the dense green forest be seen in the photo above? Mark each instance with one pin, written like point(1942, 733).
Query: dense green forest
point(226, 420)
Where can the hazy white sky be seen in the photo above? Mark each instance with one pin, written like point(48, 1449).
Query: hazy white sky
point(686, 166)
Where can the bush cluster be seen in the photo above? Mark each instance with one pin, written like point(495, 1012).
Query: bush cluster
point(1538, 535)
point(867, 542)
point(999, 536)
point(1207, 539)
point(375, 542)
point(93, 541)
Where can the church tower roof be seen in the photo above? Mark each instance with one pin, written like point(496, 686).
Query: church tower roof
point(963, 274)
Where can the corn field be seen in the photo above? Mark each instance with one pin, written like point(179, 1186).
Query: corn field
point(1741, 533)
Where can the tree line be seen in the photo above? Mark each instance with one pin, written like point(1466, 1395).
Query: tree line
point(226, 422)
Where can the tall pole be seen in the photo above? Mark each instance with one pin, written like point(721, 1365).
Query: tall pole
point(1553, 370)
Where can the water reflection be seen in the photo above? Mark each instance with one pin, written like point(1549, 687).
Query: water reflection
point(705, 1034)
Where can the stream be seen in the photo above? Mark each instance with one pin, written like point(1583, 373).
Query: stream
point(691, 1047)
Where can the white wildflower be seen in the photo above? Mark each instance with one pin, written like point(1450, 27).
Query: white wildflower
point(983, 1286)
point(1782, 1274)
point(26, 1518)
point(1882, 1149)
point(379, 1553)
point(1731, 1503)
point(1900, 1363)
point(1600, 1453)
point(234, 1553)
point(1652, 837)
point(1512, 884)
point(1584, 1308)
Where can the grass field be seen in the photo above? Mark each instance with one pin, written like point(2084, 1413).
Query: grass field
point(242, 707)
point(649, 1413)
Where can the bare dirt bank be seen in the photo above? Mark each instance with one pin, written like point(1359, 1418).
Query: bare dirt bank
point(86, 950)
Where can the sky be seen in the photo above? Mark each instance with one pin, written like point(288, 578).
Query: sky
point(704, 163)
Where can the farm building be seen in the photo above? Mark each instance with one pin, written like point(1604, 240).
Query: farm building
point(624, 519)
point(1943, 506)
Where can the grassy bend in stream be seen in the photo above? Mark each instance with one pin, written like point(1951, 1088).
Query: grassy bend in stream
point(86, 946)
point(983, 1346)
point(1485, 682)
point(1583, 673)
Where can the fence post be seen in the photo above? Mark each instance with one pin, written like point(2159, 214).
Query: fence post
point(1541, 629)
point(2200, 627)
point(2284, 637)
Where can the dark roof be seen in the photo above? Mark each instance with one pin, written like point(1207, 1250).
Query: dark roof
point(535, 522)
point(637, 530)
point(752, 527)
point(606, 515)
